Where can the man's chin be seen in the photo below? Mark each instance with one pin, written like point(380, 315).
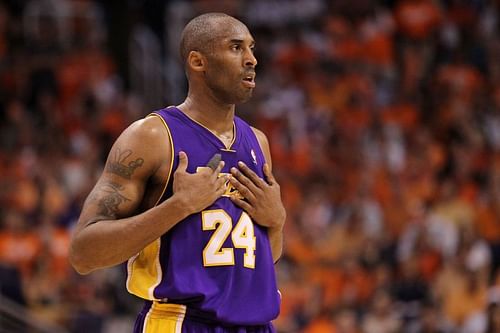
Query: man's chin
point(245, 97)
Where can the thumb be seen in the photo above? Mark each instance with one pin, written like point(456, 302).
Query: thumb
point(183, 162)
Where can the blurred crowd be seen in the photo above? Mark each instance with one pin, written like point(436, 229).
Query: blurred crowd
point(384, 124)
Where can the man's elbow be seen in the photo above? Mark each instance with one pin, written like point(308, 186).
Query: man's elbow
point(79, 261)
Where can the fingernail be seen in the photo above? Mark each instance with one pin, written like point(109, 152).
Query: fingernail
point(234, 170)
point(240, 163)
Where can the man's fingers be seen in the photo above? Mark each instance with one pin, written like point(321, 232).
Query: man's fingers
point(219, 168)
point(221, 182)
point(214, 161)
point(216, 164)
point(183, 162)
point(242, 204)
point(252, 175)
point(239, 177)
point(214, 175)
point(269, 175)
point(243, 189)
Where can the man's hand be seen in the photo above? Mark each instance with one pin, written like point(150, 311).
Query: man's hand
point(263, 199)
point(199, 190)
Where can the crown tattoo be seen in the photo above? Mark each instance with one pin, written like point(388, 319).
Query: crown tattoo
point(119, 167)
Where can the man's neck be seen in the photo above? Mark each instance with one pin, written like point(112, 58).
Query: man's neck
point(217, 117)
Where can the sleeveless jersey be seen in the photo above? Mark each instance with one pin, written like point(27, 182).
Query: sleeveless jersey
point(217, 263)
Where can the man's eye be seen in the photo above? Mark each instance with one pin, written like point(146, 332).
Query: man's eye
point(235, 47)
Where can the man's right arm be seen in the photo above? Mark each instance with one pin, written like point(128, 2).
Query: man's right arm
point(109, 231)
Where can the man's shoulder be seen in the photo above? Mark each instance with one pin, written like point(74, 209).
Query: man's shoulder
point(261, 137)
point(147, 135)
point(151, 127)
point(140, 150)
point(242, 122)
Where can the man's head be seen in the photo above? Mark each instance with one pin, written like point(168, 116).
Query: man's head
point(200, 32)
point(217, 51)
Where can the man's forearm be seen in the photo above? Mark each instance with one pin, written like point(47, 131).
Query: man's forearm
point(110, 242)
point(276, 240)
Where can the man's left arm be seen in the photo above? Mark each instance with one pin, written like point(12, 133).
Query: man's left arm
point(263, 197)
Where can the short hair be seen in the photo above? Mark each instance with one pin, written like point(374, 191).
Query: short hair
point(198, 34)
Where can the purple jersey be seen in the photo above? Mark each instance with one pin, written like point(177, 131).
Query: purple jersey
point(217, 263)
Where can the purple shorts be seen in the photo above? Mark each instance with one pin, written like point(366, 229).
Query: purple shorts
point(171, 318)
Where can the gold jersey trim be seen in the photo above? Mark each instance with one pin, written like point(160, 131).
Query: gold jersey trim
point(164, 318)
point(227, 148)
point(144, 269)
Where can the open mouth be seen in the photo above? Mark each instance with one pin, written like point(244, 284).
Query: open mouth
point(249, 81)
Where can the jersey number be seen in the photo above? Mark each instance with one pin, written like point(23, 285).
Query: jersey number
point(242, 235)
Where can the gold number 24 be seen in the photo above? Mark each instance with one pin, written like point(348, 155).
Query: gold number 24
point(242, 235)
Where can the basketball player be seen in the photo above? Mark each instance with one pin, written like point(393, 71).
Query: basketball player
point(188, 198)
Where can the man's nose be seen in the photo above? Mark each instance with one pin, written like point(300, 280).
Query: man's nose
point(250, 60)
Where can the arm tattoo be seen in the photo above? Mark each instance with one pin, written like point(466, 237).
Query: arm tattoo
point(118, 164)
point(109, 199)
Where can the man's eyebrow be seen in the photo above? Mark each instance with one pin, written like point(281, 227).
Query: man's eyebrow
point(240, 41)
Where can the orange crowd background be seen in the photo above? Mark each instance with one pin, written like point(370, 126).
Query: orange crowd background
point(384, 124)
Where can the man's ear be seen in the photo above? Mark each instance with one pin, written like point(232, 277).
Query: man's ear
point(196, 61)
